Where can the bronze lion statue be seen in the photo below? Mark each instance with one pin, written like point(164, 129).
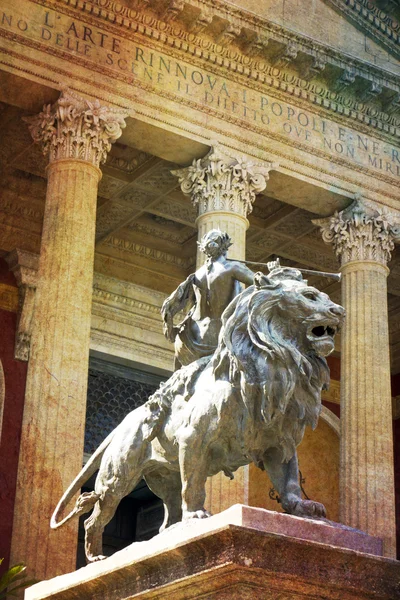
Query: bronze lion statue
point(249, 402)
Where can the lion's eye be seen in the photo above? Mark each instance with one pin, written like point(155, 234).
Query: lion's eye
point(310, 296)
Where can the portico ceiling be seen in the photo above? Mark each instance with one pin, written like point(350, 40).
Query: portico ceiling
point(146, 231)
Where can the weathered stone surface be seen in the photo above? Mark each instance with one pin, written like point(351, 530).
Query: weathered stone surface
point(240, 553)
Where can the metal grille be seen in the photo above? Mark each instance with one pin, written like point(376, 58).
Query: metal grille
point(111, 396)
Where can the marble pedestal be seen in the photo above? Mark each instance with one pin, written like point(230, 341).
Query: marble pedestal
point(245, 553)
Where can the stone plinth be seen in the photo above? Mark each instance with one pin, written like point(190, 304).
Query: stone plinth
point(245, 553)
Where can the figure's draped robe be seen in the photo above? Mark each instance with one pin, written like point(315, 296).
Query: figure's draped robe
point(194, 338)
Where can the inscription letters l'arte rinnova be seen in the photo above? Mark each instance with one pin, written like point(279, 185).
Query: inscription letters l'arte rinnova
point(192, 83)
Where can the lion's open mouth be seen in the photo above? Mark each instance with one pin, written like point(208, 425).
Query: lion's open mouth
point(322, 336)
point(321, 331)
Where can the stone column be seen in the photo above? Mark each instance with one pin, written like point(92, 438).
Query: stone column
point(363, 236)
point(77, 134)
point(224, 189)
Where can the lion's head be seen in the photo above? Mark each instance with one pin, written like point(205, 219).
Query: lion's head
point(273, 341)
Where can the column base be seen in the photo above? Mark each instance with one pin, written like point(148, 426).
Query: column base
point(244, 552)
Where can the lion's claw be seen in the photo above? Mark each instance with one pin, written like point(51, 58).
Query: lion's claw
point(309, 508)
point(196, 514)
point(96, 558)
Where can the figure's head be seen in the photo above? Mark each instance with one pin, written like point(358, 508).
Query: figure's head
point(215, 243)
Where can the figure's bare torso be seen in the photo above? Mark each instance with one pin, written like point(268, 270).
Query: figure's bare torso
point(214, 288)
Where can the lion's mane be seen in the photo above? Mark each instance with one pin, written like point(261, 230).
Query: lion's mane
point(276, 379)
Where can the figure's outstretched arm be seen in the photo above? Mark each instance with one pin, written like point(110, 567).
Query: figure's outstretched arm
point(242, 273)
point(180, 299)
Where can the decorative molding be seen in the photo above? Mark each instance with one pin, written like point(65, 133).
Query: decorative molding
point(132, 349)
point(76, 128)
point(177, 237)
point(18, 208)
point(147, 252)
point(123, 302)
point(127, 165)
point(219, 182)
point(362, 231)
point(127, 290)
point(120, 315)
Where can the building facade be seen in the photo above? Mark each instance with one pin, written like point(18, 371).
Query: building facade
point(131, 128)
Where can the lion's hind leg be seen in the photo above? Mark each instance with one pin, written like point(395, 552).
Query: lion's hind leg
point(167, 485)
point(103, 512)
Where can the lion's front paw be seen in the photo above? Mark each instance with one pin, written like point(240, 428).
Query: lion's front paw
point(96, 558)
point(309, 508)
point(196, 514)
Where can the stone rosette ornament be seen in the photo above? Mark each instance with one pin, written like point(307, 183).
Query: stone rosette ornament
point(76, 128)
point(220, 182)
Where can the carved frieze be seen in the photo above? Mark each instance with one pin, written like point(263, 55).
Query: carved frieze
point(363, 231)
point(74, 127)
point(219, 182)
point(177, 236)
point(146, 252)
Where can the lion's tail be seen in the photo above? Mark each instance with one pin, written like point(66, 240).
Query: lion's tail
point(86, 501)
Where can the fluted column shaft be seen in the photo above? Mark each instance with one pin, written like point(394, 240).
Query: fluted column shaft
point(363, 238)
point(224, 189)
point(51, 449)
point(367, 475)
point(231, 223)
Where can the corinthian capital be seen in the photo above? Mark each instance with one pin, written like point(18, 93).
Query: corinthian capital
point(362, 231)
point(219, 182)
point(76, 128)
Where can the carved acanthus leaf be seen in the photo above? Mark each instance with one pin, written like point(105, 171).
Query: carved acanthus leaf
point(76, 128)
point(219, 182)
point(363, 231)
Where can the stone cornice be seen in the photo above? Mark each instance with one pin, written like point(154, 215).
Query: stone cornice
point(381, 26)
point(236, 64)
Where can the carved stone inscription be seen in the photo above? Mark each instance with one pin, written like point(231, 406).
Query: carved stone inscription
point(188, 83)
